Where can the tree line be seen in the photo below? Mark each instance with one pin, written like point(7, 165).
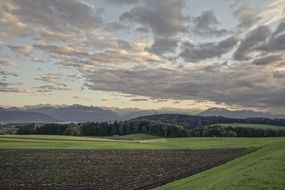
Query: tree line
point(224, 131)
point(106, 129)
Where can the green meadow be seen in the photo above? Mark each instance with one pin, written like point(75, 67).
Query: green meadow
point(148, 142)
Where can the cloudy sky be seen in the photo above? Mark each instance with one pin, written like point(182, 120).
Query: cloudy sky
point(192, 54)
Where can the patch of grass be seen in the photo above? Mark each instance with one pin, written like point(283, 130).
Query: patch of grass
point(70, 142)
point(264, 169)
point(138, 136)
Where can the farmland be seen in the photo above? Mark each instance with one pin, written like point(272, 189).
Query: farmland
point(154, 156)
point(105, 169)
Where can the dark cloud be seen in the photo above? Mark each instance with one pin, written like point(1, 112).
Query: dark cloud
point(208, 50)
point(163, 45)
point(164, 18)
point(237, 84)
point(142, 30)
point(268, 59)
point(252, 41)
point(4, 75)
point(276, 43)
point(207, 25)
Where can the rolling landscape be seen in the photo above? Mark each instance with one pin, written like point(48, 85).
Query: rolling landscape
point(142, 94)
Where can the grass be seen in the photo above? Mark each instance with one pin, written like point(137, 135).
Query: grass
point(69, 142)
point(245, 125)
point(263, 169)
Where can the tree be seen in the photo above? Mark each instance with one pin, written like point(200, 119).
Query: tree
point(72, 129)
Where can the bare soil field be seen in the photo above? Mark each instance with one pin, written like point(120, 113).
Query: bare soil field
point(105, 169)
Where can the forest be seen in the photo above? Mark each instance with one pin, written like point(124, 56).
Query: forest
point(176, 127)
point(106, 129)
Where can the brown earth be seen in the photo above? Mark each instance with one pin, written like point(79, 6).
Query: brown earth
point(105, 169)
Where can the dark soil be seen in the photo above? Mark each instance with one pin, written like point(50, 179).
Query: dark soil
point(105, 169)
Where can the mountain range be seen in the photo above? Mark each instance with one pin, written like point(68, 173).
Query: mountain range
point(78, 113)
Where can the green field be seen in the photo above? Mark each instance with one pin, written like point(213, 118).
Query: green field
point(246, 125)
point(263, 169)
point(69, 142)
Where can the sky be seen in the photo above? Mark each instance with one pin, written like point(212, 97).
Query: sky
point(147, 54)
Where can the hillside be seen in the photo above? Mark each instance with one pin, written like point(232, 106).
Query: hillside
point(18, 116)
point(189, 121)
point(53, 114)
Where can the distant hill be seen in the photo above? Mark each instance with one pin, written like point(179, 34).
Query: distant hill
point(16, 116)
point(76, 113)
point(240, 114)
point(55, 114)
point(190, 121)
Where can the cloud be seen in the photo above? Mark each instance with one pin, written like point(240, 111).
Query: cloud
point(279, 74)
point(280, 29)
point(4, 75)
point(163, 18)
point(268, 59)
point(139, 100)
point(233, 84)
point(60, 50)
point(200, 52)
point(57, 15)
point(271, 12)
point(23, 50)
point(81, 98)
point(275, 44)
point(251, 42)
point(51, 82)
point(11, 25)
point(50, 88)
point(6, 87)
point(8, 63)
point(114, 26)
point(252, 16)
point(52, 78)
point(150, 51)
point(142, 30)
point(206, 25)
point(163, 45)
point(245, 14)
point(123, 2)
